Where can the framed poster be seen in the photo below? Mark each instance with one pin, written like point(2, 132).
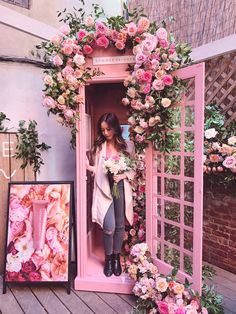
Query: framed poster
point(38, 236)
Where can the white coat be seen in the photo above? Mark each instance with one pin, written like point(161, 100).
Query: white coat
point(102, 198)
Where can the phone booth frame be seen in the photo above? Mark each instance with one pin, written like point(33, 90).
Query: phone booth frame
point(114, 66)
point(89, 277)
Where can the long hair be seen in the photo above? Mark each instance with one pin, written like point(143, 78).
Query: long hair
point(113, 122)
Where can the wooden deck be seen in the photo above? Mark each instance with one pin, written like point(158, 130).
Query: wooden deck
point(53, 299)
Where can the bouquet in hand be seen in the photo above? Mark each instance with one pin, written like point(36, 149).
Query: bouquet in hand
point(117, 165)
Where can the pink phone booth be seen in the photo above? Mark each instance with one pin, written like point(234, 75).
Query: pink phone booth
point(104, 94)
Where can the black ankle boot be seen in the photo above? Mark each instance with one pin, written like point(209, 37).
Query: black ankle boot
point(108, 266)
point(117, 270)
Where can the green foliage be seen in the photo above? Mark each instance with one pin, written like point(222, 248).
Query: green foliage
point(3, 119)
point(28, 148)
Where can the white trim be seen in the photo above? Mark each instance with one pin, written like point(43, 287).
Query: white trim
point(214, 49)
point(26, 24)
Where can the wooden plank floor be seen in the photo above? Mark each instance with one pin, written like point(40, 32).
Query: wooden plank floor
point(54, 299)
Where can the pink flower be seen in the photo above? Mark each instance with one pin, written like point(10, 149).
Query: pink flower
point(68, 70)
point(139, 138)
point(148, 45)
point(28, 267)
point(166, 102)
point(180, 310)
point(87, 49)
point(65, 29)
point(125, 101)
point(67, 49)
point(17, 211)
point(89, 21)
point(145, 88)
point(49, 102)
point(140, 58)
point(146, 76)
point(57, 60)
point(48, 80)
point(167, 80)
point(59, 267)
point(162, 307)
point(79, 59)
point(120, 45)
point(101, 28)
point(56, 40)
point(143, 24)
point(131, 29)
point(68, 113)
point(34, 276)
point(81, 34)
point(229, 162)
point(18, 228)
point(161, 33)
point(163, 43)
point(158, 85)
point(102, 42)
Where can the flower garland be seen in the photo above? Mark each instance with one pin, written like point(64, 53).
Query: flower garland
point(156, 293)
point(152, 88)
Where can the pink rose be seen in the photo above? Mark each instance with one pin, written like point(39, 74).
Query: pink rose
point(146, 76)
point(162, 307)
point(57, 60)
point(67, 49)
point(139, 138)
point(120, 45)
point(56, 40)
point(65, 29)
point(102, 42)
point(68, 114)
point(161, 33)
point(180, 310)
point(28, 267)
point(48, 80)
point(18, 228)
point(140, 58)
point(101, 28)
point(167, 80)
point(158, 85)
point(131, 29)
point(11, 276)
point(145, 88)
point(163, 43)
point(89, 21)
point(34, 276)
point(11, 248)
point(68, 70)
point(125, 101)
point(148, 45)
point(49, 102)
point(229, 162)
point(59, 267)
point(17, 211)
point(143, 24)
point(79, 59)
point(81, 34)
point(78, 73)
point(87, 49)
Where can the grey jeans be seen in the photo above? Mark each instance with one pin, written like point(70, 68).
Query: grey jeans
point(114, 223)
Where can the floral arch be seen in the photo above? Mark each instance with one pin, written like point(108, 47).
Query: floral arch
point(152, 90)
point(152, 86)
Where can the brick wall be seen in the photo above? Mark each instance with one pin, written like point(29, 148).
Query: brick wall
point(219, 231)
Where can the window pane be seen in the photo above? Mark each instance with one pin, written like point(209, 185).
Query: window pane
point(172, 211)
point(172, 188)
point(172, 164)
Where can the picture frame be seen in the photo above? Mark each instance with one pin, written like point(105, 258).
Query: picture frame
point(38, 233)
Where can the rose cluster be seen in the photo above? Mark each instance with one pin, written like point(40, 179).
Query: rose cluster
point(157, 293)
point(23, 262)
point(218, 156)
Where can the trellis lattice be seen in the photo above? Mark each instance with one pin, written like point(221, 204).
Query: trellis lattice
point(220, 84)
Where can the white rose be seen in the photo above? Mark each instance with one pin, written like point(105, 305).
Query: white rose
point(232, 140)
point(210, 133)
point(131, 120)
point(79, 59)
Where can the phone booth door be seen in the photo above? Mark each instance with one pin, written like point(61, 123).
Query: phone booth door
point(174, 187)
point(103, 94)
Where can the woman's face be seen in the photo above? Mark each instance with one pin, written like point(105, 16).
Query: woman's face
point(107, 131)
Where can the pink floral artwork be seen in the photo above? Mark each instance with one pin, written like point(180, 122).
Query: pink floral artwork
point(26, 261)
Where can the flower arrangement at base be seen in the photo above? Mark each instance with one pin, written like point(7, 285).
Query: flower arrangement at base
point(157, 293)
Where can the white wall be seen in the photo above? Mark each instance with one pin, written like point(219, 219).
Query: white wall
point(21, 97)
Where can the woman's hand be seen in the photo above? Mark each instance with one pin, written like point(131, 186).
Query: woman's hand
point(87, 163)
point(119, 177)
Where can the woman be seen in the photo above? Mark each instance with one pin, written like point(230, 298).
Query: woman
point(110, 212)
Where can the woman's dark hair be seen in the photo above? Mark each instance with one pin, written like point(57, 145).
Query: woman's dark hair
point(113, 122)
